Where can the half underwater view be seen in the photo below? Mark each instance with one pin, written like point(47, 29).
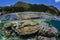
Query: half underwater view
point(29, 19)
point(29, 26)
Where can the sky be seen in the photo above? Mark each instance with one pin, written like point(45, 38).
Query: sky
point(55, 3)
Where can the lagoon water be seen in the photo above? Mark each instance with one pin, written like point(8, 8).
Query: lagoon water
point(54, 20)
point(43, 17)
point(55, 23)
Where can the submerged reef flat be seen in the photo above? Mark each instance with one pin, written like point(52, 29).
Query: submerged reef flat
point(26, 30)
point(28, 15)
point(27, 26)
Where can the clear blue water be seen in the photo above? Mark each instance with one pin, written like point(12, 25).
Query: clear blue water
point(55, 23)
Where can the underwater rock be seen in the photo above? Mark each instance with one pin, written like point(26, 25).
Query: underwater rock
point(27, 27)
point(47, 30)
point(8, 17)
point(28, 22)
point(7, 29)
point(26, 15)
point(46, 38)
point(8, 24)
point(27, 30)
point(7, 33)
point(46, 34)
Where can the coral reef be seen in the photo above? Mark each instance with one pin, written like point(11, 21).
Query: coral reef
point(18, 26)
point(26, 28)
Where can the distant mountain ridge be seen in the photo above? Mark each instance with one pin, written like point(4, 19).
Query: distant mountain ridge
point(22, 6)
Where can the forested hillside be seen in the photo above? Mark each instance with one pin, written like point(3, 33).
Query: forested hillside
point(22, 6)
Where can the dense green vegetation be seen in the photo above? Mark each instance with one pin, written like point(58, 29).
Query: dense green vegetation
point(21, 7)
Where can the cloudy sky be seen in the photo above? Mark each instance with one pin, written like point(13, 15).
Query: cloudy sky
point(57, 0)
point(55, 3)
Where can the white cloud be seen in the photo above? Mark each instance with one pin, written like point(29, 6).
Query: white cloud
point(7, 4)
point(57, 0)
